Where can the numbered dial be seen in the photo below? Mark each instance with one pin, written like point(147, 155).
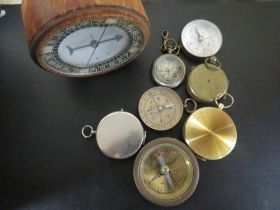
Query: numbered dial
point(166, 172)
point(160, 108)
point(91, 47)
point(169, 70)
point(201, 38)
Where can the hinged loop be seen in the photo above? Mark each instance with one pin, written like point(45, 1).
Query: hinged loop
point(165, 34)
point(88, 131)
point(213, 63)
point(187, 107)
point(223, 96)
point(169, 45)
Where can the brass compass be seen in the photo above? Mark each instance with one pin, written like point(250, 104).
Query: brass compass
point(166, 172)
point(209, 131)
point(207, 80)
point(160, 108)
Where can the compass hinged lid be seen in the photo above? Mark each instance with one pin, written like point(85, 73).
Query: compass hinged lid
point(210, 133)
point(119, 135)
point(206, 82)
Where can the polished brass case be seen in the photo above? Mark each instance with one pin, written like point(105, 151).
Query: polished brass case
point(210, 133)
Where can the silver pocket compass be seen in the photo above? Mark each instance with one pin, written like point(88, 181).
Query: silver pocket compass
point(201, 38)
point(169, 70)
point(119, 135)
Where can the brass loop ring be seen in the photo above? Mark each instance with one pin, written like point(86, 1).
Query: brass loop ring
point(163, 49)
point(177, 52)
point(165, 34)
point(194, 105)
point(170, 45)
point(213, 63)
point(87, 131)
point(224, 95)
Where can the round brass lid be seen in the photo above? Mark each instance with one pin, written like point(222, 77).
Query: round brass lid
point(210, 133)
point(205, 84)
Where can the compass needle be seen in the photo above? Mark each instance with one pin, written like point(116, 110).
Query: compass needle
point(167, 186)
point(160, 108)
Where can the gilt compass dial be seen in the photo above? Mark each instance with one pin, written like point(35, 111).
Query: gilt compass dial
point(166, 172)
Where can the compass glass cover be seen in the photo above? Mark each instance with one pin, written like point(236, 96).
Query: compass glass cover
point(163, 159)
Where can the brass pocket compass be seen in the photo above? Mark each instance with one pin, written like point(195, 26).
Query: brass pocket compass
point(169, 70)
point(207, 80)
point(166, 172)
point(119, 135)
point(210, 132)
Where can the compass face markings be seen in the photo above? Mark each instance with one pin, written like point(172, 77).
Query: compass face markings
point(166, 172)
point(180, 171)
point(160, 108)
point(201, 38)
point(69, 50)
point(169, 70)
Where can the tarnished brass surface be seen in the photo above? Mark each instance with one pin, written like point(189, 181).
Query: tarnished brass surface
point(210, 133)
point(205, 84)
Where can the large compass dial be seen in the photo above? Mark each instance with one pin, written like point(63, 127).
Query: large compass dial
point(91, 47)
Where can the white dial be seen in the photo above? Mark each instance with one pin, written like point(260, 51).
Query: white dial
point(169, 71)
point(201, 38)
point(92, 45)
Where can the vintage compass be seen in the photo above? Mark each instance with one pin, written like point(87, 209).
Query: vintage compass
point(160, 108)
point(166, 172)
point(209, 131)
point(85, 38)
point(119, 135)
point(207, 80)
point(201, 38)
point(169, 70)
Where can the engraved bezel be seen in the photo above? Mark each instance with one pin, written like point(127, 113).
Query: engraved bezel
point(55, 31)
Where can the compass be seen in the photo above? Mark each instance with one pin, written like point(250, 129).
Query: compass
point(85, 38)
point(166, 172)
point(169, 70)
point(160, 108)
point(210, 132)
point(207, 80)
point(119, 134)
point(201, 38)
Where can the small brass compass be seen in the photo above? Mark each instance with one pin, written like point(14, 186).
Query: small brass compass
point(207, 80)
point(166, 172)
point(210, 132)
